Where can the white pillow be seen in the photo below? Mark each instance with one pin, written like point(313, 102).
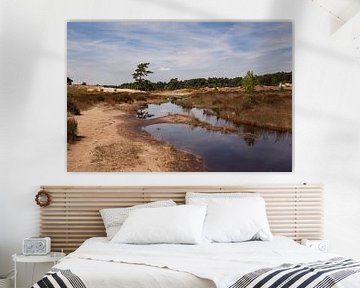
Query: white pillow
point(113, 218)
point(173, 225)
point(204, 198)
point(236, 220)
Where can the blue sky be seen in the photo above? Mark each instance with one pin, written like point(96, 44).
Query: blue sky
point(108, 52)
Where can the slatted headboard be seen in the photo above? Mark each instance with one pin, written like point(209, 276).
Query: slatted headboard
point(73, 215)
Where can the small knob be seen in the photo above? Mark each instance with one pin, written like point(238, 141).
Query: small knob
point(40, 245)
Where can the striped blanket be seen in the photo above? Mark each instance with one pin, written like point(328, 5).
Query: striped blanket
point(59, 278)
point(320, 274)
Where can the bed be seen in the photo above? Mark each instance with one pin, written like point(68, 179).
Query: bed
point(295, 211)
point(99, 263)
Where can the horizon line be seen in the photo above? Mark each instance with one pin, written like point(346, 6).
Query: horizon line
point(181, 79)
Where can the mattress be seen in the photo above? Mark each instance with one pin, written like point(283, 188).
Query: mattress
point(99, 263)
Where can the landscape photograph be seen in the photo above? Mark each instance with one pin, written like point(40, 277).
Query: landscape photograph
point(179, 96)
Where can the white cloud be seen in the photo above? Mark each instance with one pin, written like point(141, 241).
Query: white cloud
point(109, 55)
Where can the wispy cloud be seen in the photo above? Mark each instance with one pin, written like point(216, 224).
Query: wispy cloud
point(108, 52)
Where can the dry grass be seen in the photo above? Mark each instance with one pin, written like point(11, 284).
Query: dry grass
point(83, 99)
point(271, 108)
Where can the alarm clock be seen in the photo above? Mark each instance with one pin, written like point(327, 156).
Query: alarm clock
point(36, 246)
point(320, 245)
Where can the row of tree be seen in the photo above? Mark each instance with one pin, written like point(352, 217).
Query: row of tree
point(142, 71)
point(211, 82)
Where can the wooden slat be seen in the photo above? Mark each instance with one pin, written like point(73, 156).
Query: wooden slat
point(73, 216)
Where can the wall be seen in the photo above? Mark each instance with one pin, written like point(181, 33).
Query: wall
point(32, 90)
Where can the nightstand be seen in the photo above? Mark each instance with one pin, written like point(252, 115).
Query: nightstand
point(52, 257)
point(320, 245)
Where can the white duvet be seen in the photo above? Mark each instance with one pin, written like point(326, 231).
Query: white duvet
point(100, 263)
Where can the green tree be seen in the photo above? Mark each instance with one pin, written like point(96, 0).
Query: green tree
point(69, 81)
point(173, 84)
point(249, 83)
point(141, 72)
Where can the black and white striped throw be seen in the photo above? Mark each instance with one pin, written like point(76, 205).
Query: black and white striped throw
point(59, 278)
point(320, 274)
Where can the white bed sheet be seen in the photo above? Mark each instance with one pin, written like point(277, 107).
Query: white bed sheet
point(100, 263)
point(101, 274)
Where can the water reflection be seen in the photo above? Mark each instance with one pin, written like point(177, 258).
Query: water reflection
point(208, 116)
point(169, 108)
point(249, 149)
point(221, 152)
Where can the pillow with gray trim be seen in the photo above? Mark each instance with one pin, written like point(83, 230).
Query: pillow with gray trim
point(113, 218)
point(204, 198)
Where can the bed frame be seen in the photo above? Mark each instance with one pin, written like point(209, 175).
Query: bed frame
point(73, 215)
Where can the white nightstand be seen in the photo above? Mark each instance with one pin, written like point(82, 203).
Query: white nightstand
point(320, 245)
point(53, 257)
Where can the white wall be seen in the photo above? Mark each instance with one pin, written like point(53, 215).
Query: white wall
point(32, 123)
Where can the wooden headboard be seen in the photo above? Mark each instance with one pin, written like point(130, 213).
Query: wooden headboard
point(73, 215)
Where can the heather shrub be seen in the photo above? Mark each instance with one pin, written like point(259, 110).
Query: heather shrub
point(217, 101)
point(123, 98)
point(71, 129)
point(247, 101)
point(100, 98)
point(72, 106)
point(140, 97)
point(186, 104)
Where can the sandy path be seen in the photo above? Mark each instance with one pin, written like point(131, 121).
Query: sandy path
point(110, 140)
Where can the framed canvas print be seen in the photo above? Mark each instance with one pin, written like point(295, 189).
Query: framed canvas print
point(163, 96)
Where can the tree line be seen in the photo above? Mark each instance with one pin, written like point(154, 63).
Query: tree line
point(273, 79)
point(142, 70)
